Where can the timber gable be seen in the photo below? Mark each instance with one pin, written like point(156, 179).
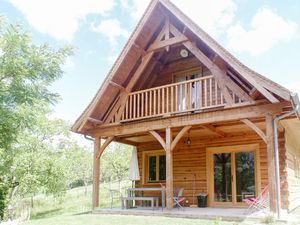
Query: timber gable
point(132, 90)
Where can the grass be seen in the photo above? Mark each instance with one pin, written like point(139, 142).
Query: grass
point(118, 220)
point(74, 209)
point(74, 202)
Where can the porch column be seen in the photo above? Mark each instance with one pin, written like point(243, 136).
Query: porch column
point(169, 168)
point(271, 163)
point(96, 174)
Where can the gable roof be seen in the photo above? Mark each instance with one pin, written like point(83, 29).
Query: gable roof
point(140, 38)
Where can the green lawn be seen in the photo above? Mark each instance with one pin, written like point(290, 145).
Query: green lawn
point(119, 220)
point(74, 209)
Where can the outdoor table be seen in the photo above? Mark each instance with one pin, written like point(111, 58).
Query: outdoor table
point(162, 190)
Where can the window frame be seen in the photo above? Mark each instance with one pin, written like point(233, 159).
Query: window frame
point(146, 157)
point(188, 72)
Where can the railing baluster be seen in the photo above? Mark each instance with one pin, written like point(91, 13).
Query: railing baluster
point(163, 101)
point(190, 97)
point(130, 107)
point(200, 95)
point(186, 96)
point(181, 97)
point(172, 99)
point(167, 104)
point(216, 92)
point(210, 92)
point(176, 99)
point(146, 103)
point(155, 102)
point(126, 109)
point(138, 105)
point(142, 104)
point(150, 107)
point(134, 105)
point(205, 93)
point(222, 98)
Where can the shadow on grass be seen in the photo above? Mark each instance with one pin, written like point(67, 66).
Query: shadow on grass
point(82, 213)
point(46, 214)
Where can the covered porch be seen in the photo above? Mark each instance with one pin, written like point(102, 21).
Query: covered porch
point(189, 146)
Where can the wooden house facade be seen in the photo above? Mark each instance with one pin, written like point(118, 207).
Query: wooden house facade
point(199, 118)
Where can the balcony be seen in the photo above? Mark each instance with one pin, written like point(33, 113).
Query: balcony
point(194, 95)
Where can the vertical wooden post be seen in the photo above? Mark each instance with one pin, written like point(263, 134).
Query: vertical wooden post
point(169, 168)
point(271, 163)
point(96, 174)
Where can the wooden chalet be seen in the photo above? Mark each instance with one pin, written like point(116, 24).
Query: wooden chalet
point(200, 119)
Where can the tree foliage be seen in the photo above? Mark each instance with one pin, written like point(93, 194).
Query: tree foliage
point(115, 163)
point(26, 72)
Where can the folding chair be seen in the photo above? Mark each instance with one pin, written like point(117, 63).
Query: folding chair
point(114, 195)
point(179, 199)
point(259, 203)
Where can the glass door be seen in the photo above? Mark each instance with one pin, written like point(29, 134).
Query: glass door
point(244, 175)
point(222, 177)
point(233, 176)
point(194, 92)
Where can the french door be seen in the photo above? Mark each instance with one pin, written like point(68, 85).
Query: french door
point(233, 174)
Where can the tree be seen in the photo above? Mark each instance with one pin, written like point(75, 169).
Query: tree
point(116, 161)
point(78, 163)
point(26, 72)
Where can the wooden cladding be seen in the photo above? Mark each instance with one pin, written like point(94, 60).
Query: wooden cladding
point(187, 96)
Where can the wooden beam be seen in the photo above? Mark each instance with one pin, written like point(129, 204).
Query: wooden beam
point(117, 85)
point(140, 49)
point(169, 169)
point(218, 74)
point(238, 80)
point(179, 136)
point(271, 163)
point(125, 141)
point(158, 138)
point(256, 129)
point(254, 93)
point(103, 147)
point(167, 32)
point(95, 121)
point(222, 79)
point(214, 130)
point(166, 43)
point(228, 114)
point(96, 174)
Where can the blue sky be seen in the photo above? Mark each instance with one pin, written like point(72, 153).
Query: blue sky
point(262, 34)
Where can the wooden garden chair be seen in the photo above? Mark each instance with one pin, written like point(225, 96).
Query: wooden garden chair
point(179, 199)
point(259, 203)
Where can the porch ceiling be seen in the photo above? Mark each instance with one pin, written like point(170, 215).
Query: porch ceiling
point(221, 130)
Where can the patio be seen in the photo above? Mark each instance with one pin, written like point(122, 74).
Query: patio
point(227, 214)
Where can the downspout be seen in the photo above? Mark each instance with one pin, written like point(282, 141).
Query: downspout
point(296, 110)
point(88, 138)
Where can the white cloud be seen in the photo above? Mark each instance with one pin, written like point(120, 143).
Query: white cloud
point(60, 18)
point(294, 87)
point(112, 58)
point(267, 29)
point(69, 64)
point(111, 28)
point(214, 18)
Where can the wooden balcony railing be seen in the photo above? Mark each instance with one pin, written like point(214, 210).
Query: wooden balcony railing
point(192, 95)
